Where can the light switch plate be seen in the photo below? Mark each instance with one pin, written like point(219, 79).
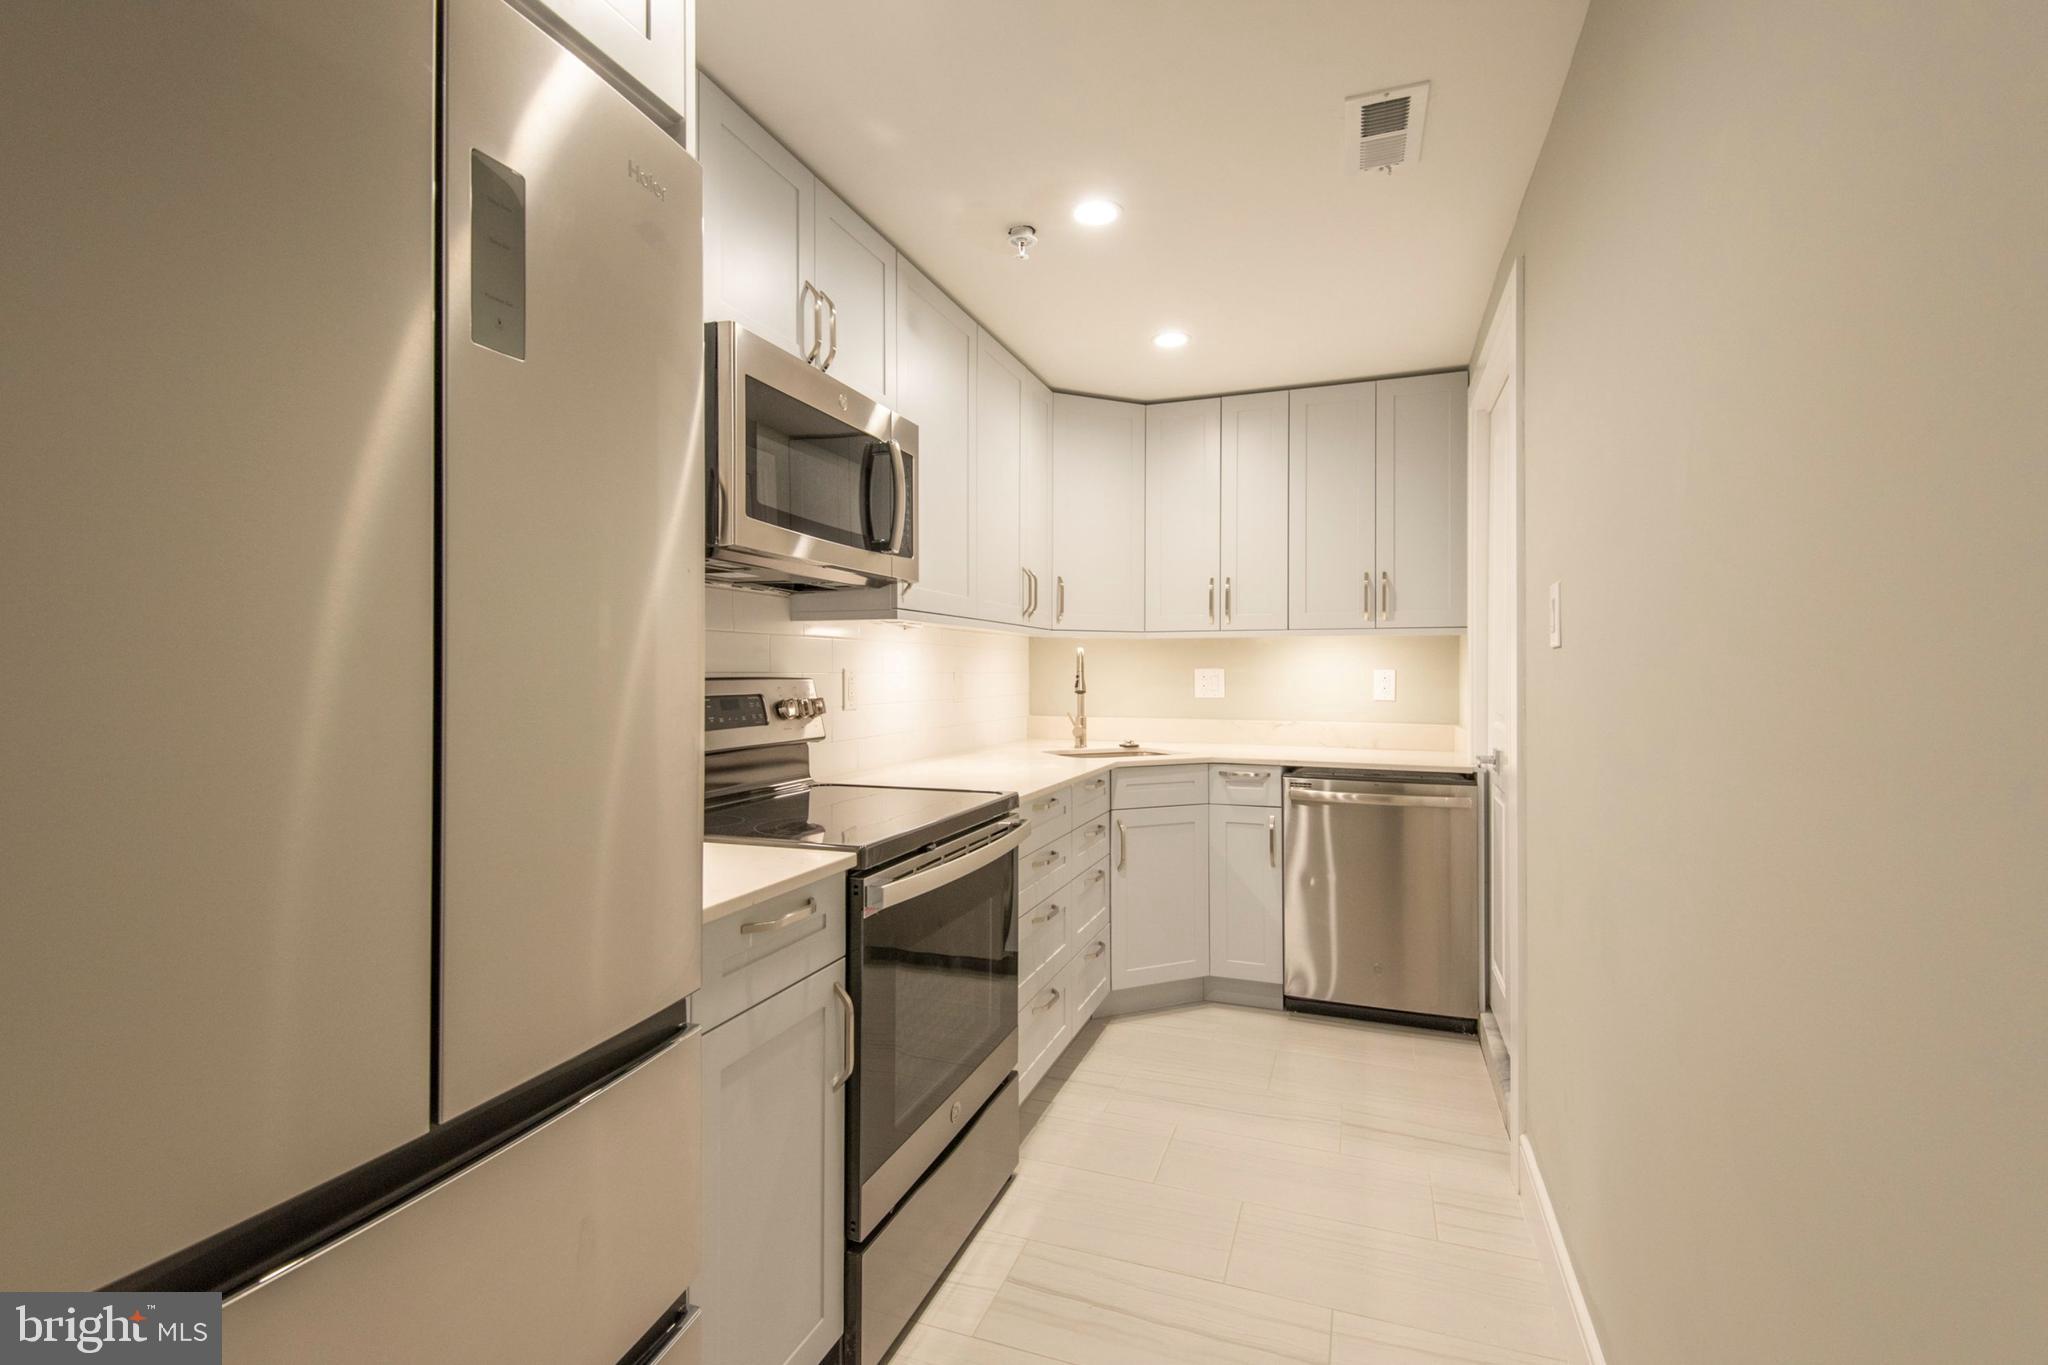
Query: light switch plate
point(846, 702)
point(1208, 683)
point(1556, 619)
point(1383, 684)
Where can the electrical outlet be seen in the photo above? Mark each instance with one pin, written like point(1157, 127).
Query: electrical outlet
point(1208, 683)
point(846, 690)
point(1556, 619)
point(1383, 684)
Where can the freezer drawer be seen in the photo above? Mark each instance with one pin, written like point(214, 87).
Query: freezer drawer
point(563, 1247)
point(573, 486)
point(1381, 901)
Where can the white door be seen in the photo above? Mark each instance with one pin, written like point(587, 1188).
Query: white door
point(935, 389)
point(1244, 893)
point(758, 226)
point(1000, 383)
point(856, 269)
point(1098, 491)
point(1159, 895)
point(1331, 490)
point(1254, 511)
point(1182, 483)
point(647, 40)
point(774, 1248)
point(1422, 509)
point(1035, 515)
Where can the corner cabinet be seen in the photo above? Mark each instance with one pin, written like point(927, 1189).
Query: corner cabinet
point(1183, 487)
point(935, 352)
point(1098, 523)
point(1244, 893)
point(1159, 895)
point(646, 41)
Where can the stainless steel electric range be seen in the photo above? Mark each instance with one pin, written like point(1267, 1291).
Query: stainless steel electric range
point(931, 964)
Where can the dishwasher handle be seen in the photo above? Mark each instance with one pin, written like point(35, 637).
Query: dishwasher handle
point(1303, 797)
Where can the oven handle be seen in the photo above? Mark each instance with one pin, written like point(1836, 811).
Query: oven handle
point(882, 895)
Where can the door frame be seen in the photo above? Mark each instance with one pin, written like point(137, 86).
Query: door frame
point(1498, 366)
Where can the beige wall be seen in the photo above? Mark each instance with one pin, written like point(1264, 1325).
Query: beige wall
point(1785, 303)
point(1296, 678)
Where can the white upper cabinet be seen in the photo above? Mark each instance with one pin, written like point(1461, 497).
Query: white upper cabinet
point(1098, 523)
point(1421, 547)
point(759, 227)
point(856, 272)
point(1332, 492)
point(1036, 495)
point(1254, 511)
point(1001, 592)
point(1182, 574)
point(935, 347)
point(646, 41)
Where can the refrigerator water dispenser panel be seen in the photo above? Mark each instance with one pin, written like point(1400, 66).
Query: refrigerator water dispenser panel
point(497, 275)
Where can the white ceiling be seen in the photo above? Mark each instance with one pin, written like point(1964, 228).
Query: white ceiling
point(1215, 123)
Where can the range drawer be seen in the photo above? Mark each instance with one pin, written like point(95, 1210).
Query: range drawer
point(1088, 911)
point(1043, 946)
point(1173, 785)
point(1091, 978)
point(1091, 796)
point(1046, 817)
point(1233, 784)
point(753, 953)
point(1041, 871)
point(1091, 838)
point(1042, 1031)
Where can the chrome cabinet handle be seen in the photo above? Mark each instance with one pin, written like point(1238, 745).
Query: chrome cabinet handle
point(1026, 579)
point(1212, 599)
point(1052, 998)
point(1099, 877)
point(846, 1004)
point(1059, 597)
point(817, 320)
point(1386, 597)
point(900, 523)
point(1235, 774)
point(1226, 599)
point(1100, 949)
point(1123, 845)
point(769, 926)
point(1273, 840)
point(1046, 803)
point(1367, 585)
point(1052, 912)
point(1051, 859)
point(832, 313)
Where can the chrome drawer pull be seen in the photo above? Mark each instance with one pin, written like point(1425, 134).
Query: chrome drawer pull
point(769, 926)
point(1240, 774)
point(1052, 912)
point(1052, 998)
point(1100, 949)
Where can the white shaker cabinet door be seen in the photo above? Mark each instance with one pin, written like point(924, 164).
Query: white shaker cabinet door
point(1244, 893)
point(935, 344)
point(1035, 512)
point(758, 227)
point(1001, 386)
point(856, 269)
point(1421, 547)
point(1159, 895)
point(1254, 511)
point(1183, 590)
point(1331, 488)
point(1098, 487)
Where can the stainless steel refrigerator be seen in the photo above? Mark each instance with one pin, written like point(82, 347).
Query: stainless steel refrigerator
point(350, 748)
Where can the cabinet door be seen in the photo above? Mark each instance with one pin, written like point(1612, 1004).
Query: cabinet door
point(1331, 517)
point(1159, 896)
point(1244, 893)
point(758, 226)
point(774, 1265)
point(1421, 548)
point(935, 389)
point(1035, 513)
point(1182, 591)
point(647, 41)
point(1000, 383)
point(1254, 511)
point(1098, 498)
point(856, 267)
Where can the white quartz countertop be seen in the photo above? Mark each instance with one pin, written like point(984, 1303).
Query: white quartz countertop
point(737, 876)
point(1028, 769)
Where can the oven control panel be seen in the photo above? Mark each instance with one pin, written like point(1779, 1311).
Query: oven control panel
point(745, 713)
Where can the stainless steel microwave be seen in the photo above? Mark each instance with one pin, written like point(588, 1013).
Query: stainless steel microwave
point(813, 484)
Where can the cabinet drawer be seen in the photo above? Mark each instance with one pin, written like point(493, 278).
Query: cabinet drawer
point(1042, 942)
point(1168, 786)
point(1091, 978)
point(1091, 839)
point(1088, 914)
point(1042, 1033)
point(753, 953)
point(1243, 785)
point(1041, 871)
point(1091, 797)
point(1046, 817)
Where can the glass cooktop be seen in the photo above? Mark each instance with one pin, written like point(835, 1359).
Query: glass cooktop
point(875, 821)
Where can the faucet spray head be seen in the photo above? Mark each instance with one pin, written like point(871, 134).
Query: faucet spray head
point(1080, 670)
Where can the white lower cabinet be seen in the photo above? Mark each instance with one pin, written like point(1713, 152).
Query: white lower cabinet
point(1043, 1030)
point(1159, 902)
point(1244, 893)
point(773, 1282)
point(1063, 932)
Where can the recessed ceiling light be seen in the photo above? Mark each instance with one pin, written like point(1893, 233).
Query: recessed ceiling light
point(1096, 212)
point(1172, 339)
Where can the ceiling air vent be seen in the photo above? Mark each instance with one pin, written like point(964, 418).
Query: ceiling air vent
point(1383, 130)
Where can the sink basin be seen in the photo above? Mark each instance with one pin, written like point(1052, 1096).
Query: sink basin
point(1107, 751)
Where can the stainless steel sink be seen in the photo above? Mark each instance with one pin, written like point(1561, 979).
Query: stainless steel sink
point(1108, 751)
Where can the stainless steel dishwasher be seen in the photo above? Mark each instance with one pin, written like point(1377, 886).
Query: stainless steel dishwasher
point(1382, 903)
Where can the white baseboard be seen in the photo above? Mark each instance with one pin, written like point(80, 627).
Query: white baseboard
point(1534, 1192)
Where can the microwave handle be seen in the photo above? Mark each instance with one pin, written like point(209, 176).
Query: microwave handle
point(899, 526)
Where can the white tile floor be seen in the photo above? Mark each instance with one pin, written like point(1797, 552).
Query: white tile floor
point(1216, 1184)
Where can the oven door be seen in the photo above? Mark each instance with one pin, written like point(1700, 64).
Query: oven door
point(934, 974)
point(814, 483)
